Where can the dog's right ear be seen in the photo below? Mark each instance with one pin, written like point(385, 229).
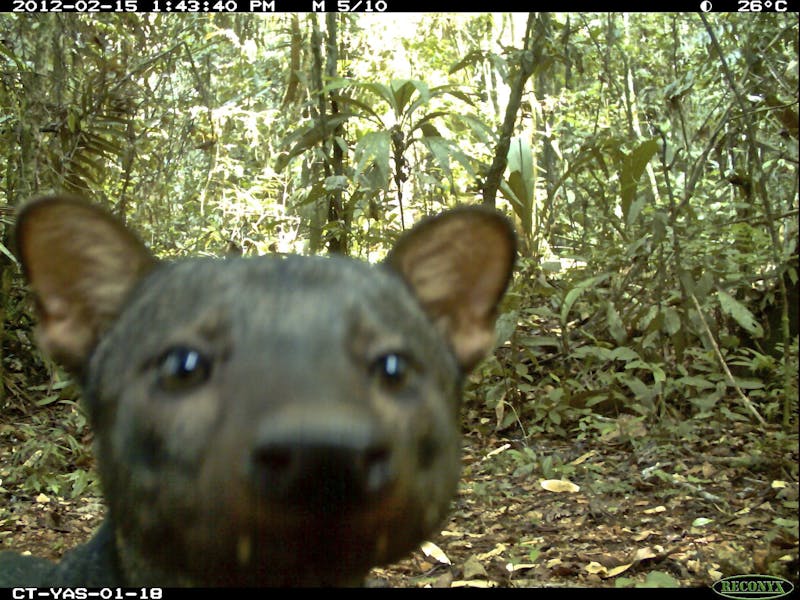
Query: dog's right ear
point(81, 263)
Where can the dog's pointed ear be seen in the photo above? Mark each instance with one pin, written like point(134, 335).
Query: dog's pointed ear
point(81, 264)
point(459, 264)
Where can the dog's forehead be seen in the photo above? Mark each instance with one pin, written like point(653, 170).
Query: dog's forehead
point(246, 290)
point(276, 277)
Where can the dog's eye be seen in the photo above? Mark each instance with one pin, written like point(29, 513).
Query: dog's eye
point(392, 370)
point(182, 368)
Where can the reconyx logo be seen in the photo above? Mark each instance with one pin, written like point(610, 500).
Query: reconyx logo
point(741, 587)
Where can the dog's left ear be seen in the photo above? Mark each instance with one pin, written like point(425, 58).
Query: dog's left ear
point(458, 265)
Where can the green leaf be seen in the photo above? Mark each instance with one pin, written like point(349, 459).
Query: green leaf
point(338, 83)
point(569, 300)
point(639, 388)
point(80, 481)
point(632, 168)
point(656, 371)
point(21, 67)
point(786, 523)
point(659, 224)
point(505, 326)
point(658, 579)
point(521, 181)
point(536, 341)
point(576, 292)
point(624, 353)
point(672, 320)
point(704, 285)
point(615, 326)
point(365, 108)
point(747, 383)
point(7, 252)
point(604, 354)
point(48, 400)
point(485, 133)
point(441, 151)
point(705, 403)
point(740, 314)
point(471, 58)
point(425, 95)
point(696, 381)
point(373, 149)
point(309, 137)
point(382, 91)
point(453, 91)
point(429, 130)
point(403, 92)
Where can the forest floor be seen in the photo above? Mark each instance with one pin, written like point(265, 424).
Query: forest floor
point(644, 510)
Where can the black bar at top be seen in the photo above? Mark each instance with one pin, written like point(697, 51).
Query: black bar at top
point(749, 7)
